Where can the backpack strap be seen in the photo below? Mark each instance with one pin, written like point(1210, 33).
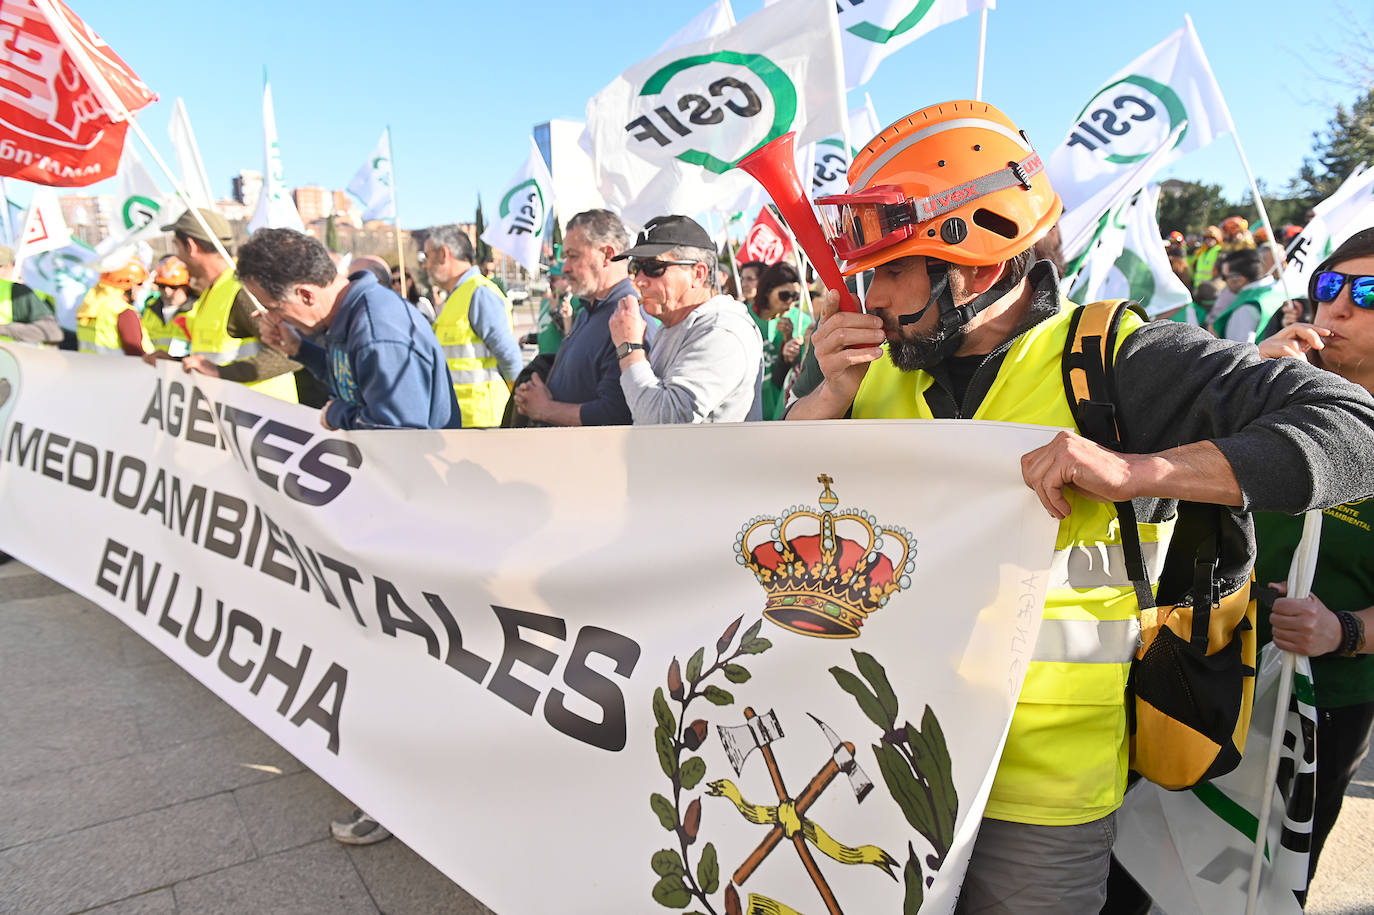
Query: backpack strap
point(1090, 386)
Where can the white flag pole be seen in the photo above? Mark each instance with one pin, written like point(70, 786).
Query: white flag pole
point(1299, 586)
point(982, 47)
point(396, 213)
point(1244, 162)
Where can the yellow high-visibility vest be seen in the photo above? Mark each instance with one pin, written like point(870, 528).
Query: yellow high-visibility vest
point(97, 322)
point(209, 323)
point(6, 307)
point(476, 373)
point(167, 337)
point(1066, 755)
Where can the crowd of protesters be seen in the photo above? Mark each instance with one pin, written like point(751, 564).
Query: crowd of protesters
point(659, 328)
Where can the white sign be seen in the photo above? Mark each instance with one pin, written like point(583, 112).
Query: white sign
point(545, 688)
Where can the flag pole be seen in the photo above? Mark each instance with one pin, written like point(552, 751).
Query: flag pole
point(1299, 586)
point(982, 47)
point(396, 214)
point(5, 213)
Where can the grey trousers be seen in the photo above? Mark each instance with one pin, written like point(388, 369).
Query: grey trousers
point(1020, 868)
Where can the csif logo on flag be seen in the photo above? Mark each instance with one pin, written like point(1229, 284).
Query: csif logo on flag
point(875, 33)
point(832, 165)
point(712, 110)
point(526, 201)
point(139, 211)
point(1130, 119)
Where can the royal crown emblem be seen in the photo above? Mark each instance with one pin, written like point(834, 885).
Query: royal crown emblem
point(825, 571)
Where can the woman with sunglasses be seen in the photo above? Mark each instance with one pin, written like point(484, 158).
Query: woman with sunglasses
point(1329, 626)
point(783, 323)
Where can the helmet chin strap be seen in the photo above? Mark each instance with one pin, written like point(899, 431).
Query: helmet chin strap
point(952, 316)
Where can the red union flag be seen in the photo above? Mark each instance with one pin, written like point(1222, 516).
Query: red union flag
point(767, 242)
point(65, 96)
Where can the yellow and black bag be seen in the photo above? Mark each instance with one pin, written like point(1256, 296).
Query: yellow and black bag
point(1192, 682)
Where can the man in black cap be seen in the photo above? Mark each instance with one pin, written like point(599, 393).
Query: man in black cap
point(707, 360)
point(224, 326)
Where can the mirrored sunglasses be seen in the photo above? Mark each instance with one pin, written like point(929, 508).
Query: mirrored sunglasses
point(1329, 284)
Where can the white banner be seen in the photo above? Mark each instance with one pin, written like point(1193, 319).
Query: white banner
point(830, 168)
point(1164, 104)
point(374, 184)
point(1335, 219)
point(523, 213)
point(1191, 850)
point(546, 689)
point(1126, 260)
point(667, 133)
point(194, 181)
point(275, 209)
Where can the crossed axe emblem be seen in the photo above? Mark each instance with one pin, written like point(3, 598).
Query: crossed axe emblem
point(788, 818)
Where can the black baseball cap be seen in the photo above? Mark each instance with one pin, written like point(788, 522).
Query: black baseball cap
point(664, 233)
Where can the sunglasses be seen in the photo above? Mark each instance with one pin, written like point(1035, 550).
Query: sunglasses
point(654, 268)
point(787, 295)
point(1329, 284)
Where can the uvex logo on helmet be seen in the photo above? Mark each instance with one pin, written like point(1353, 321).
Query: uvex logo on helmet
point(1130, 119)
point(526, 199)
point(719, 101)
point(869, 31)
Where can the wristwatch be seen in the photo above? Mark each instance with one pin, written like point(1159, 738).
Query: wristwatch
point(626, 348)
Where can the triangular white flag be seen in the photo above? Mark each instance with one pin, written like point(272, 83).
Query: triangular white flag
point(374, 184)
point(1164, 104)
point(193, 178)
point(522, 215)
point(668, 132)
point(275, 207)
point(44, 228)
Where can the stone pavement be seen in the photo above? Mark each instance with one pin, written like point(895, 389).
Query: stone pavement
point(127, 788)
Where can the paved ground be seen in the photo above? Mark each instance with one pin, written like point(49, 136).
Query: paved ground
point(127, 788)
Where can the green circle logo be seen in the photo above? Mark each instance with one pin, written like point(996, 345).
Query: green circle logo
point(879, 35)
point(139, 212)
point(529, 208)
point(1128, 118)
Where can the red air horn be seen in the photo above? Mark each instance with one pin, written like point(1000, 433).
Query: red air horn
point(775, 167)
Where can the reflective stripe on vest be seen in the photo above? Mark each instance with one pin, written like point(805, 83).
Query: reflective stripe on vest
point(167, 337)
point(1065, 758)
point(472, 366)
point(100, 334)
point(209, 324)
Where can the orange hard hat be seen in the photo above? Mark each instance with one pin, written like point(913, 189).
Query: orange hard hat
point(172, 272)
point(130, 276)
point(1233, 224)
point(1176, 237)
point(957, 182)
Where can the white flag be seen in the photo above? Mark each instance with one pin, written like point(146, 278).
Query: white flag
point(717, 18)
point(830, 169)
point(275, 207)
point(141, 207)
point(667, 133)
point(870, 30)
point(1347, 211)
point(193, 178)
point(1164, 104)
point(1126, 260)
point(1191, 850)
point(44, 228)
point(523, 214)
point(66, 274)
point(374, 184)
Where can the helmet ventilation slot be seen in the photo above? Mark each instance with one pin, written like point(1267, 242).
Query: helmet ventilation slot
point(995, 222)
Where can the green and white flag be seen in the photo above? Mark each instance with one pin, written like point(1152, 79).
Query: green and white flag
point(667, 134)
point(193, 178)
point(1126, 260)
point(275, 209)
point(1164, 104)
point(65, 274)
point(1347, 211)
point(870, 30)
point(717, 18)
point(830, 166)
point(523, 213)
point(374, 185)
point(141, 207)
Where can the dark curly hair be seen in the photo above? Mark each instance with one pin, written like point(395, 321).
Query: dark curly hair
point(277, 259)
point(779, 274)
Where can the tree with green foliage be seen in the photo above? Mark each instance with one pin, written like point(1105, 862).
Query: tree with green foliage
point(1347, 141)
point(331, 234)
point(483, 249)
point(1190, 207)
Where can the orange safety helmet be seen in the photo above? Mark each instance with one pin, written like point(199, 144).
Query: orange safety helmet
point(1233, 224)
point(957, 182)
point(172, 272)
point(130, 276)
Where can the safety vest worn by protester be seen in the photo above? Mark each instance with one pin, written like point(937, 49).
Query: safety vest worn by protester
point(477, 381)
point(7, 307)
point(209, 323)
point(1066, 754)
point(168, 337)
point(1204, 264)
point(97, 322)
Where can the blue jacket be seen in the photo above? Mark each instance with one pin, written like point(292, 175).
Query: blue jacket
point(587, 371)
point(382, 363)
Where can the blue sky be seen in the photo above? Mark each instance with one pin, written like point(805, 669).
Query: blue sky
point(462, 83)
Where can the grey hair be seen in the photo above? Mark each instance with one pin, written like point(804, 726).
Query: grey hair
point(697, 256)
point(456, 239)
point(602, 228)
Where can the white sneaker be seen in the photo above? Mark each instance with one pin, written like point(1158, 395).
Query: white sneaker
point(358, 829)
